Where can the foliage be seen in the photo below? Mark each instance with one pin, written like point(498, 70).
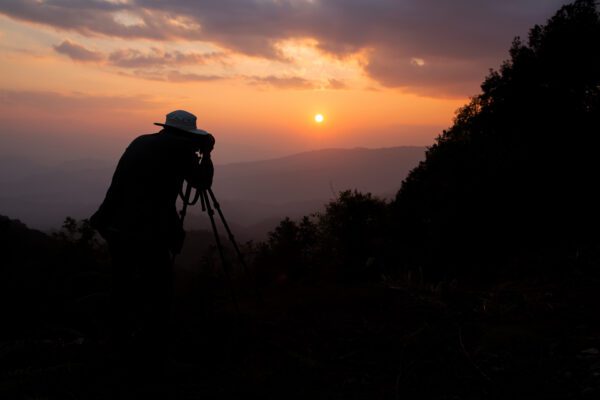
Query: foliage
point(79, 233)
point(340, 241)
point(517, 170)
point(41, 273)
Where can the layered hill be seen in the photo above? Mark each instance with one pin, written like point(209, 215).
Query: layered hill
point(260, 192)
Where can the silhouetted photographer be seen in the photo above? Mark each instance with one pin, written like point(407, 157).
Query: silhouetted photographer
point(139, 220)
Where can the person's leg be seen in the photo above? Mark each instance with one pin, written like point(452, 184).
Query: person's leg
point(156, 291)
point(122, 295)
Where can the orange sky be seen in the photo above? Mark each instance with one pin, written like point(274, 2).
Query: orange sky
point(72, 92)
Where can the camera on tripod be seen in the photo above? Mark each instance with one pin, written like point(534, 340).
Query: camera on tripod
point(209, 204)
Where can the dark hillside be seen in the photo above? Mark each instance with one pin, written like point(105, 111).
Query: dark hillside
point(41, 274)
point(518, 171)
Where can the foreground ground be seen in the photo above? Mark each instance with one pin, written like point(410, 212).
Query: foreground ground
point(371, 341)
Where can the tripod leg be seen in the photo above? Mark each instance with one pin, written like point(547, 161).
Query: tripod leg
point(229, 233)
point(235, 245)
point(211, 215)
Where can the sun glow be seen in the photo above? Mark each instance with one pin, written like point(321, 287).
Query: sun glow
point(319, 118)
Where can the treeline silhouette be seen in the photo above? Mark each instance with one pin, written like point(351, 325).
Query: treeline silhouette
point(41, 274)
point(342, 243)
point(517, 173)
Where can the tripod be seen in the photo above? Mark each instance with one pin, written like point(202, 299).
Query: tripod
point(207, 197)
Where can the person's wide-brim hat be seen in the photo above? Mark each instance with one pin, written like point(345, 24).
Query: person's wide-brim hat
point(184, 121)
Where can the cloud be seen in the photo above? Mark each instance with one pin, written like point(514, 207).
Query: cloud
point(48, 101)
point(77, 52)
point(131, 58)
point(106, 18)
point(149, 64)
point(293, 82)
point(176, 76)
point(336, 84)
point(172, 76)
point(419, 62)
point(434, 76)
point(453, 38)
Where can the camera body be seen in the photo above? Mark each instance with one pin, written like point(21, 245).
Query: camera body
point(204, 144)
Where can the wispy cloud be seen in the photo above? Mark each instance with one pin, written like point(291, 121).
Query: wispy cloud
point(72, 102)
point(336, 84)
point(176, 76)
point(131, 58)
point(153, 64)
point(78, 52)
point(172, 76)
point(292, 82)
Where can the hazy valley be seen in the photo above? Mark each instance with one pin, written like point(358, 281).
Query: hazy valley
point(254, 195)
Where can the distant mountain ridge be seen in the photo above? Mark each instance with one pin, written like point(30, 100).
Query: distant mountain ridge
point(318, 174)
point(251, 192)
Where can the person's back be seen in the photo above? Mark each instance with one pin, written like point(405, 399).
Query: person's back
point(140, 203)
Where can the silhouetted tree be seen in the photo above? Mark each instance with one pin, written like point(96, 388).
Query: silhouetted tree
point(353, 226)
point(286, 248)
point(517, 171)
point(341, 242)
point(79, 233)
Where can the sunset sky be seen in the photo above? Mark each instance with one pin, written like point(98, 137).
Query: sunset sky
point(81, 78)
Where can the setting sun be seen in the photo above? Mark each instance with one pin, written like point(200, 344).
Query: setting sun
point(319, 118)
